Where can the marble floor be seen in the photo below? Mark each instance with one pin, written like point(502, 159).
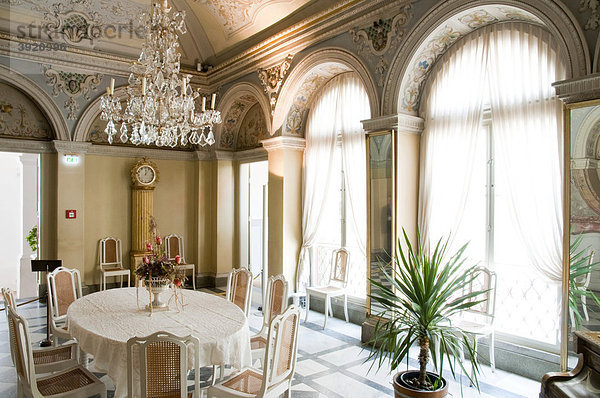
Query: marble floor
point(331, 363)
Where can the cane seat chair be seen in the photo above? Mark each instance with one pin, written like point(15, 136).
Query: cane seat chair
point(478, 321)
point(275, 303)
point(76, 381)
point(162, 361)
point(279, 363)
point(239, 288)
point(174, 247)
point(45, 360)
point(336, 286)
point(110, 260)
point(64, 287)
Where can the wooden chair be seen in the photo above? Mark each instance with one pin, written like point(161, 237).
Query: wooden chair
point(110, 261)
point(64, 287)
point(174, 247)
point(162, 360)
point(45, 360)
point(275, 303)
point(76, 381)
point(478, 321)
point(279, 363)
point(336, 286)
point(239, 288)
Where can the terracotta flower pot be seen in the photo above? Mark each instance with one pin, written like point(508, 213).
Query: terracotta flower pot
point(402, 390)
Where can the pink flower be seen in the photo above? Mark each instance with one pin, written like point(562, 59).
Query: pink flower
point(146, 260)
point(158, 240)
point(178, 259)
point(148, 246)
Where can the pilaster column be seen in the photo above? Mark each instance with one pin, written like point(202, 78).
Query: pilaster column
point(285, 156)
point(71, 196)
point(225, 213)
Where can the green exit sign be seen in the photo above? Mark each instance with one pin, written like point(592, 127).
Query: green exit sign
point(71, 159)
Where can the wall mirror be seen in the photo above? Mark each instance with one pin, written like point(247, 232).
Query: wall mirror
point(583, 130)
point(380, 203)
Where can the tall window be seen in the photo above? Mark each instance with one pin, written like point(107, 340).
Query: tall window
point(491, 169)
point(334, 184)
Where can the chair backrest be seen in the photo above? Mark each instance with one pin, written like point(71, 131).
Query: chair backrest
point(174, 247)
point(276, 298)
point(282, 348)
point(64, 287)
point(23, 355)
point(485, 280)
point(109, 253)
point(339, 267)
point(239, 288)
point(162, 360)
point(10, 302)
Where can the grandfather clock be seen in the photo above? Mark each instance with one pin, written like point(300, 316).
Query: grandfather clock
point(144, 176)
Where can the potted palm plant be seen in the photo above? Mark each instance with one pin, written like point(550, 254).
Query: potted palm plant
point(580, 267)
point(421, 294)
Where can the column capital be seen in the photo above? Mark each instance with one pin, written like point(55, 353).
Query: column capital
point(284, 142)
point(402, 122)
point(72, 147)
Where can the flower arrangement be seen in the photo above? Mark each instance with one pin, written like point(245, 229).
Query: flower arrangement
point(158, 272)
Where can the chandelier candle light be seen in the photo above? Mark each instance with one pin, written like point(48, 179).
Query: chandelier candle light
point(160, 107)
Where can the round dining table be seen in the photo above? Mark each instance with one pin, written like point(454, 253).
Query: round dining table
point(102, 323)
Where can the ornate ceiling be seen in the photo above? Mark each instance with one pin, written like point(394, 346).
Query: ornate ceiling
point(214, 26)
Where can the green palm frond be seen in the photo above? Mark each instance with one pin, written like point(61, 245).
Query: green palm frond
point(418, 298)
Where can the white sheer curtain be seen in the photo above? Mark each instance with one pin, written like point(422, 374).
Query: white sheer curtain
point(452, 108)
point(355, 108)
point(527, 120)
point(339, 108)
point(511, 66)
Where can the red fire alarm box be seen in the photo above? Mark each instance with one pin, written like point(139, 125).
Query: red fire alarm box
point(71, 214)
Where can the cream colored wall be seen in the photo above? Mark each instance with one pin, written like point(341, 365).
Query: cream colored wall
point(407, 190)
point(107, 208)
point(225, 222)
point(71, 196)
point(206, 210)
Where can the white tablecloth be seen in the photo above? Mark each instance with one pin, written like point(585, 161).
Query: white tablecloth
point(102, 323)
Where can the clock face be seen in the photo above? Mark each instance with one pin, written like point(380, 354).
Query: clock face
point(145, 175)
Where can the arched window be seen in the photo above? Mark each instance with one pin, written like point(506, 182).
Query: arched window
point(334, 182)
point(491, 168)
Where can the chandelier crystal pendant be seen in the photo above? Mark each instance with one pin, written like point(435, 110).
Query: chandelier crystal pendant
point(160, 108)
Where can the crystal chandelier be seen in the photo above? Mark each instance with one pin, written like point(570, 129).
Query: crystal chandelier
point(160, 108)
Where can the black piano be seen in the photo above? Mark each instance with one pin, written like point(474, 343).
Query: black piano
point(584, 380)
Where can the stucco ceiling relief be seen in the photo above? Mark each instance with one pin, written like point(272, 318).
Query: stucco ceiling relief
point(378, 38)
point(72, 26)
point(72, 85)
point(272, 78)
point(20, 117)
point(594, 7)
point(230, 122)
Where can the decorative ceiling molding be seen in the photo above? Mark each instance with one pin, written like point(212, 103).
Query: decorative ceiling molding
point(272, 78)
point(72, 85)
point(71, 147)
point(41, 98)
point(594, 7)
point(26, 146)
point(383, 34)
point(378, 38)
point(139, 152)
point(72, 26)
point(580, 89)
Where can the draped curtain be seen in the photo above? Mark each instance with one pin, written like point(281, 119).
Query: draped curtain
point(511, 67)
point(338, 110)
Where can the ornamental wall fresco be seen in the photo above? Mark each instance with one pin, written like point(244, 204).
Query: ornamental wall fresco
point(20, 117)
point(252, 130)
